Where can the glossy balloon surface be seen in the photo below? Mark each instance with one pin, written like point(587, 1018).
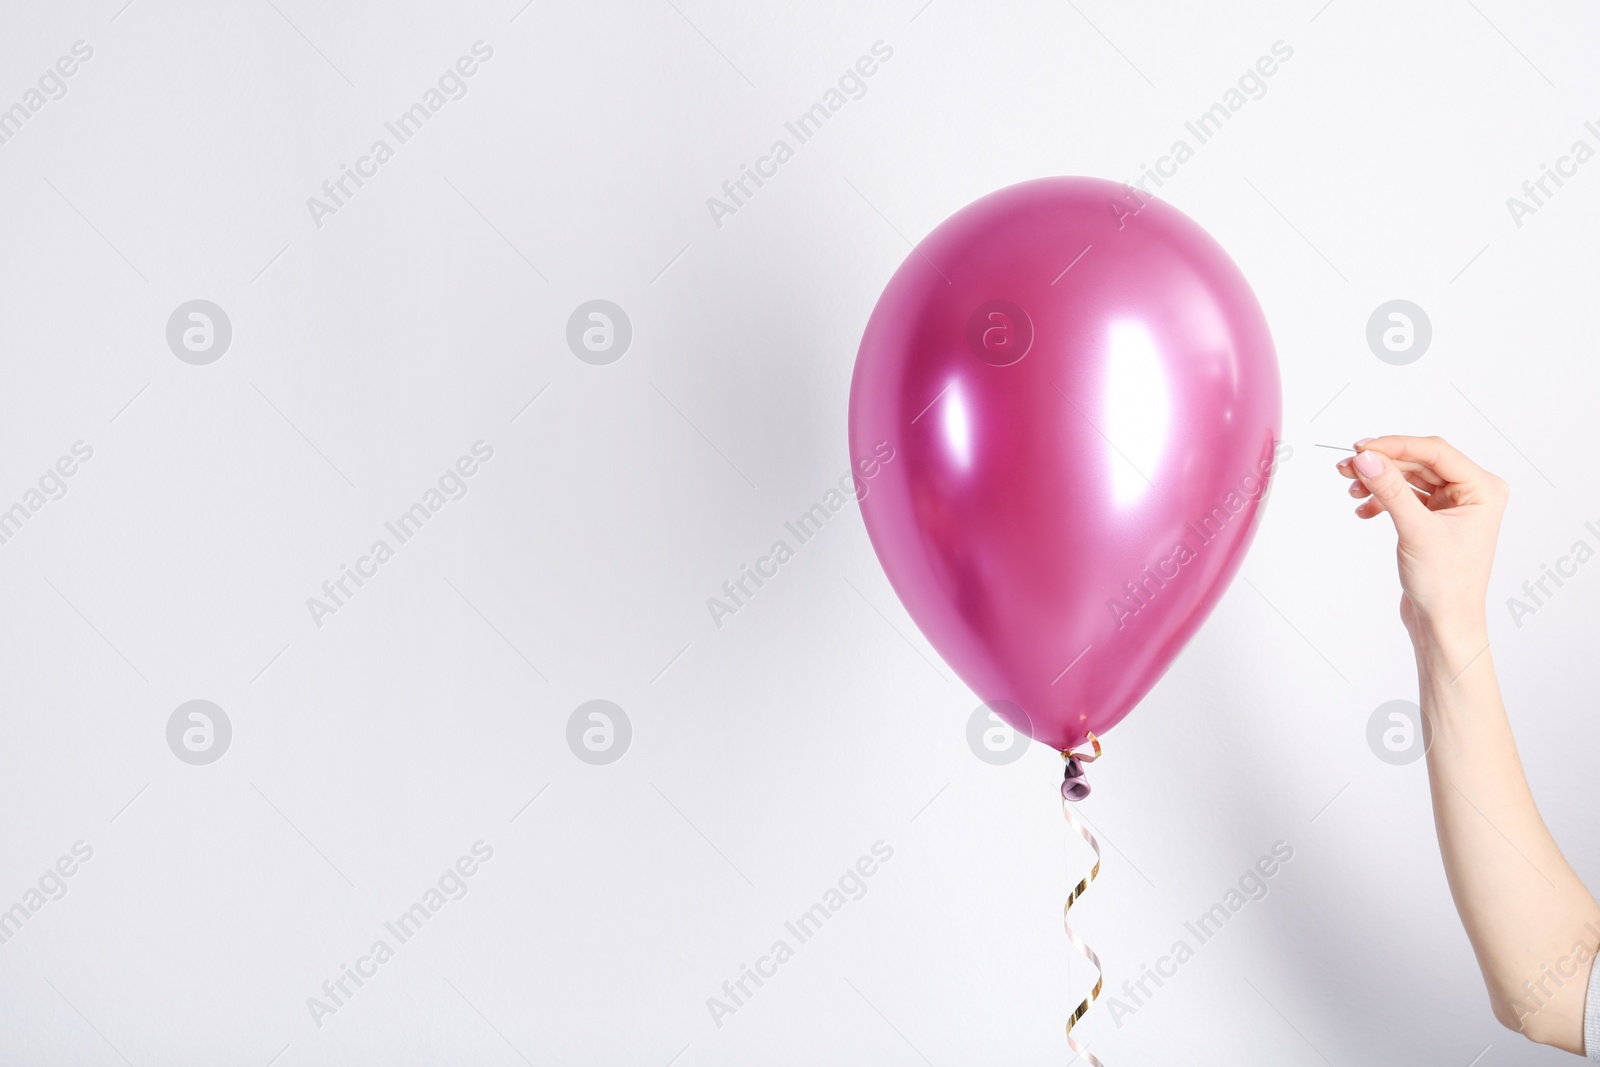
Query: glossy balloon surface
point(1078, 398)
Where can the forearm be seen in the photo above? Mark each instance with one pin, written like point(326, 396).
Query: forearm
point(1532, 923)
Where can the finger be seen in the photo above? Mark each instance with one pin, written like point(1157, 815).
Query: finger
point(1429, 476)
point(1346, 466)
point(1416, 477)
point(1391, 491)
point(1372, 508)
point(1422, 484)
point(1434, 455)
point(1408, 467)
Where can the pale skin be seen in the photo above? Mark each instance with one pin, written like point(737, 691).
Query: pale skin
point(1533, 925)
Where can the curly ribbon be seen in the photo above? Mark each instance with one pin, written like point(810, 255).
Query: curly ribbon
point(1073, 759)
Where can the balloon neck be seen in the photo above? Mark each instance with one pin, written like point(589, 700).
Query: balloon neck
point(1074, 786)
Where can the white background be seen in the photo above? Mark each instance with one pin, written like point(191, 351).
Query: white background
point(767, 755)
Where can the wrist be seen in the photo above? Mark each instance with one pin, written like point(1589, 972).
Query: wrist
point(1451, 645)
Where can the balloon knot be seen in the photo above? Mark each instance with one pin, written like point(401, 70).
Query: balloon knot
point(1075, 785)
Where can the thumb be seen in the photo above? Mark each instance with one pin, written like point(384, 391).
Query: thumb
point(1391, 490)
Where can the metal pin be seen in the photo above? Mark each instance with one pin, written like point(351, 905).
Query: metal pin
point(1340, 448)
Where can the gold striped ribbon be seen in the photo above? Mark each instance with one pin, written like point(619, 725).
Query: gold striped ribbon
point(1072, 935)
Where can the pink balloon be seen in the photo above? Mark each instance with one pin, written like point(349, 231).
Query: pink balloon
point(1078, 398)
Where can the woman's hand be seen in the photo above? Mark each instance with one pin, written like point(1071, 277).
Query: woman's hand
point(1447, 511)
point(1532, 923)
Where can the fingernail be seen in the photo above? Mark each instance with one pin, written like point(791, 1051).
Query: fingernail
point(1369, 465)
point(1364, 440)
